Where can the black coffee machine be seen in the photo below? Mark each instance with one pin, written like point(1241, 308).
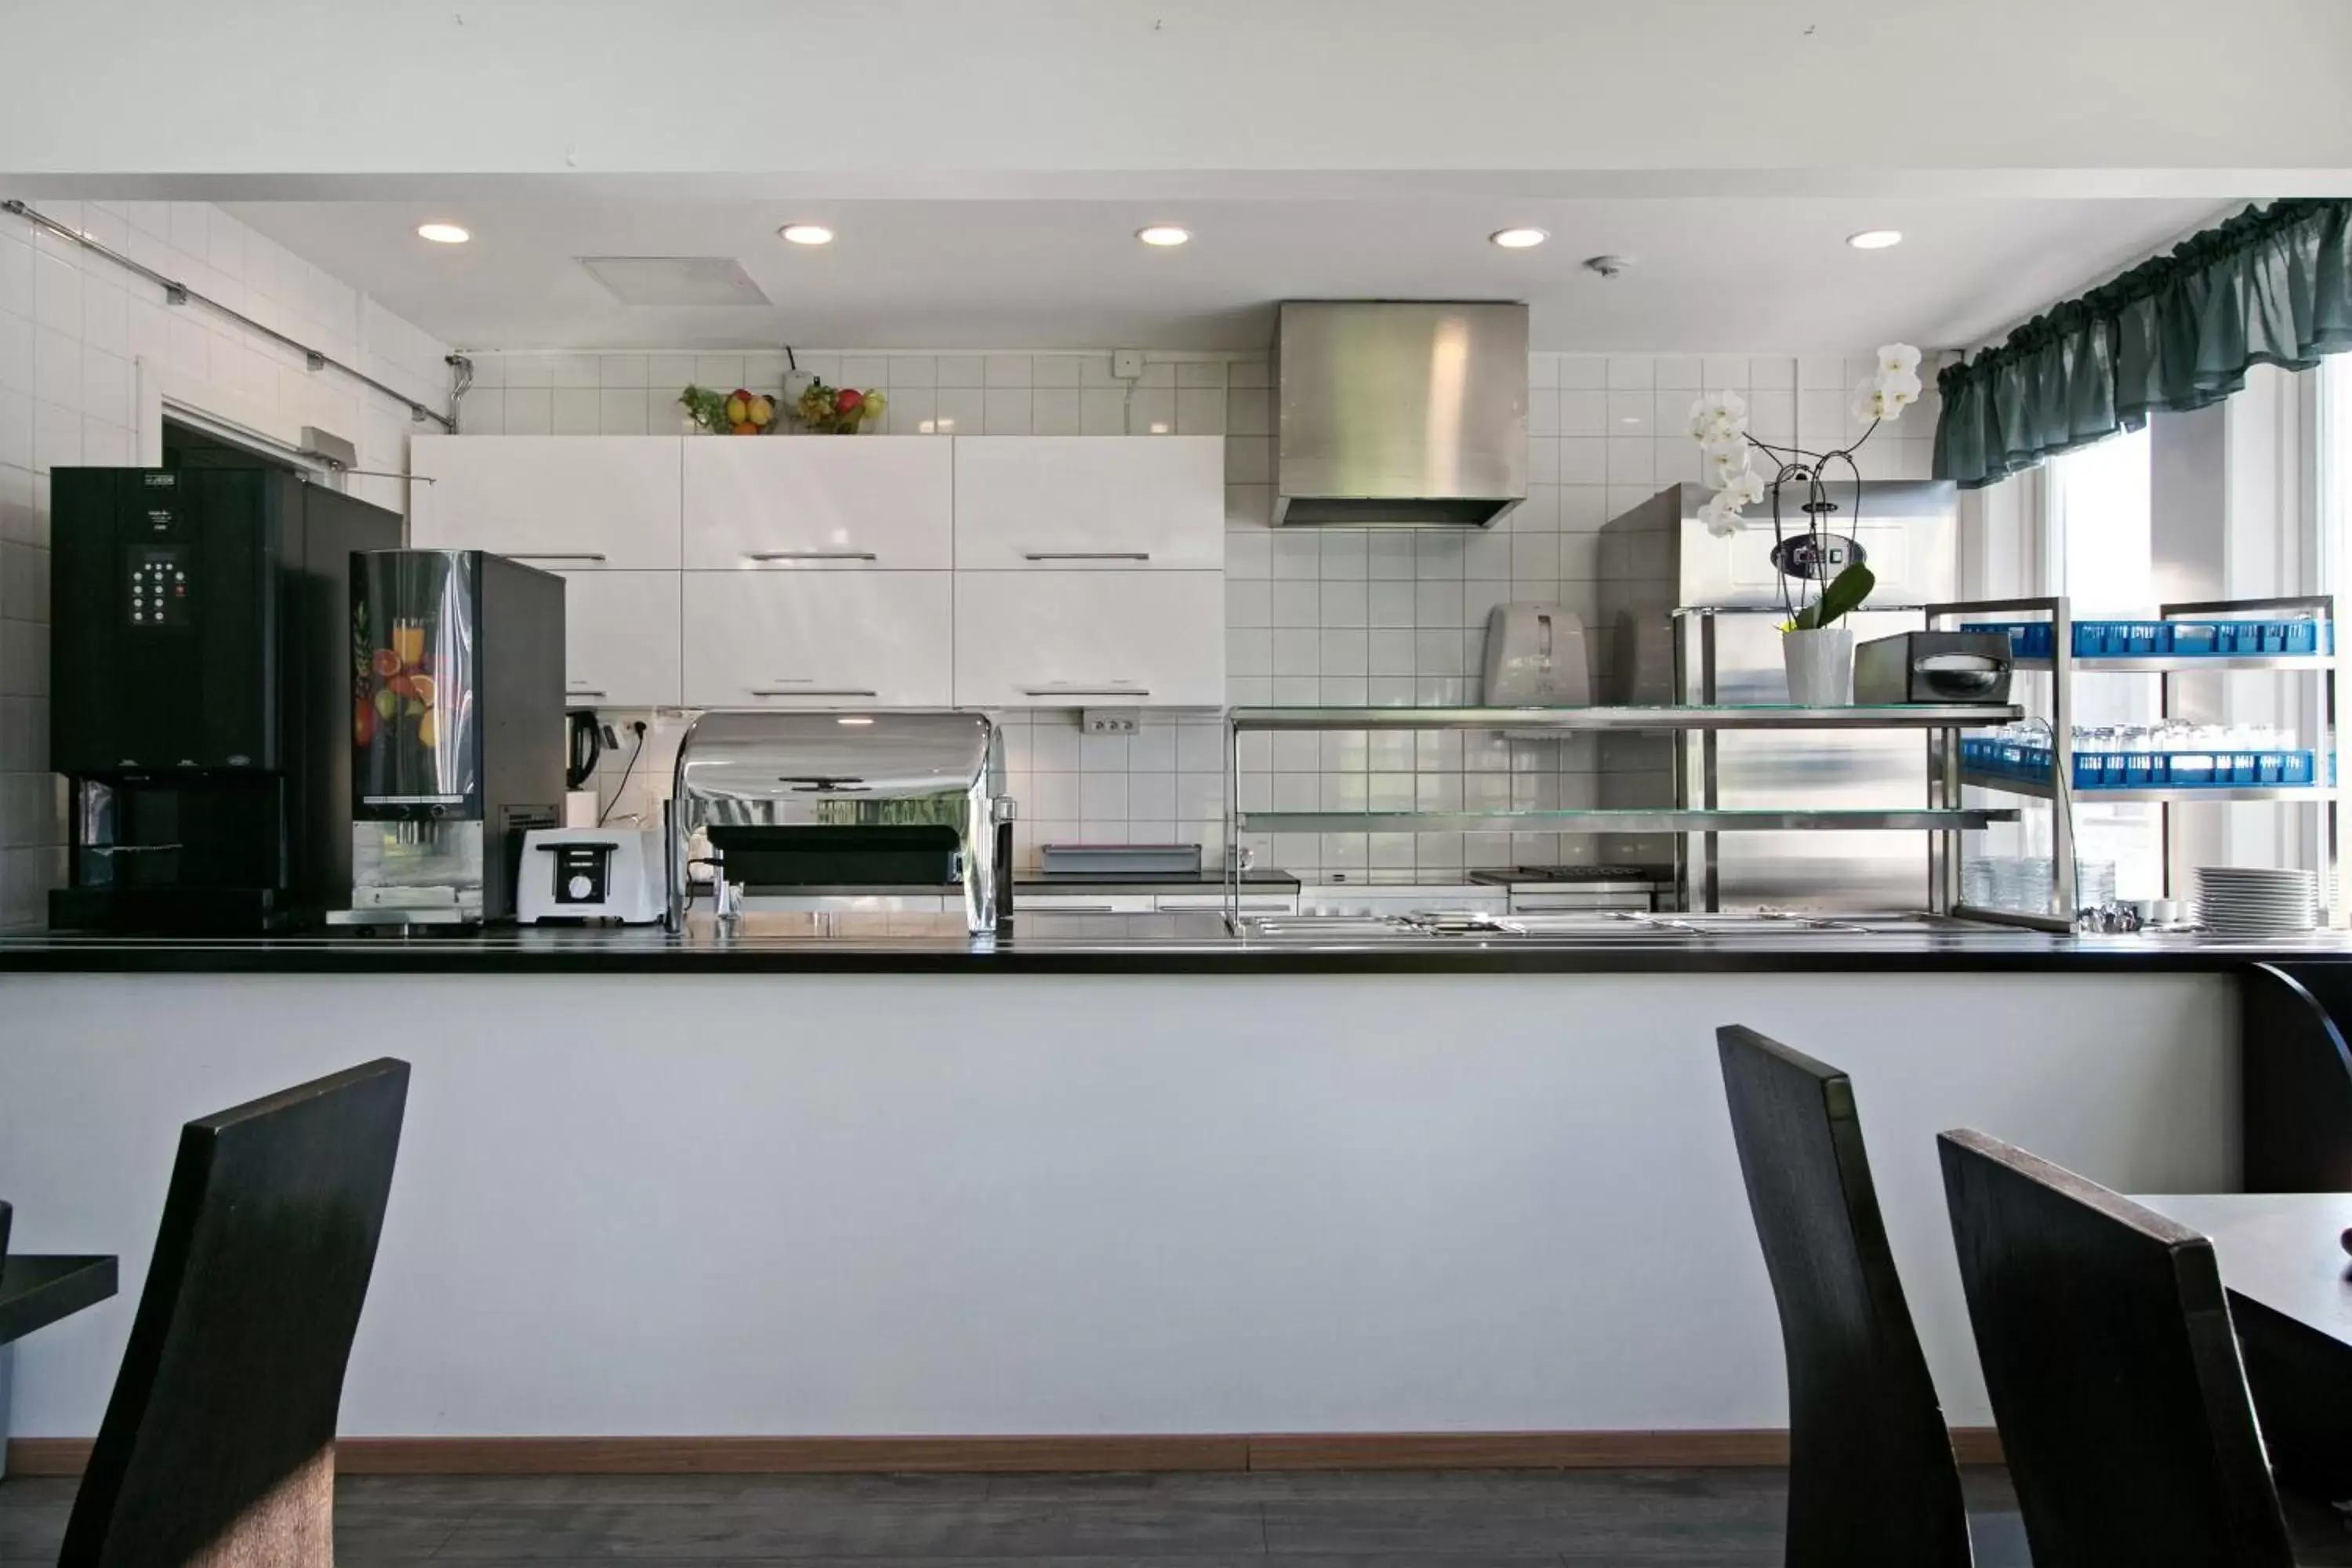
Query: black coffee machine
point(200, 706)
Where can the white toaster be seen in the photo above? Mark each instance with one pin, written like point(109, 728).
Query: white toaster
point(592, 874)
point(1536, 659)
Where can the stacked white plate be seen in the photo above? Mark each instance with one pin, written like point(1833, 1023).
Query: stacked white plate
point(2252, 900)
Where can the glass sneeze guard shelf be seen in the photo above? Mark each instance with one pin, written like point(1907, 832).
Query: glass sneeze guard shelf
point(1655, 719)
point(1624, 819)
point(1628, 720)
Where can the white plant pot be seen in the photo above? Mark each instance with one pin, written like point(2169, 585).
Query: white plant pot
point(1820, 667)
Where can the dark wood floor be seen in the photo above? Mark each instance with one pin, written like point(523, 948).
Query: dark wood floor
point(1455, 1518)
point(1452, 1518)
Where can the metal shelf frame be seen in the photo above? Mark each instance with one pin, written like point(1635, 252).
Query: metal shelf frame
point(2319, 713)
point(1942, 815)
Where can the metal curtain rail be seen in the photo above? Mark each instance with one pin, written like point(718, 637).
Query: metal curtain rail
point(178, 293)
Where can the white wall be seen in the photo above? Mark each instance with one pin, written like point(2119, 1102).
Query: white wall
point(73, 330)
point(818, 1204)
point(2079, 98)
point(1314, 617)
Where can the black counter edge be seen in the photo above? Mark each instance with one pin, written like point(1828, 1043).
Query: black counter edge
point(426, 959)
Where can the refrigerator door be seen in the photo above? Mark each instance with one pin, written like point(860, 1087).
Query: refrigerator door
point(1848, 872)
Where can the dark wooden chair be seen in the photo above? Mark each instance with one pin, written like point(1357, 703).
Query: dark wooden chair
point(2296, 1097)
point(1871, 1480)
point(217, 1448)
point(2108, 1350)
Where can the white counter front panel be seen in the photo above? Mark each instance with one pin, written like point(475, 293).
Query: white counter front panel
point(1067, 1204)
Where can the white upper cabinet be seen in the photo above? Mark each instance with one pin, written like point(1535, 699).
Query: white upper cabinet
point(1092, 502)
point(621, 639)
point(808, 639)
point(884, 502)
point(1090, 639)
point(562, 502)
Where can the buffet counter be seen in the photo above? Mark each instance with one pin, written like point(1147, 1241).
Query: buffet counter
point(1108, 1174)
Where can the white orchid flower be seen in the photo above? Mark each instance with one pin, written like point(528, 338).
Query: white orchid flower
point(1901, 386)
point(1721, 518)
point(1725, 462)
point(1900, 358)
point(1871, 402)
point(1718, 418)
point(1746, 489)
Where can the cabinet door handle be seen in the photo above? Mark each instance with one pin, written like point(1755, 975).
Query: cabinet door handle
point(810, 555)
point(1086, 691)
point(813, 692)
point(555, 555)
point(584, 691)
point(1086, 555)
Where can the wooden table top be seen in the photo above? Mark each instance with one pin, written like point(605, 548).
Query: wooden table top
point(36, 1290)
point(2280, 1249)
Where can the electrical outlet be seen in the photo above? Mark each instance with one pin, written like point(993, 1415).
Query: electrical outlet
point(1127, 364)
point(1109, 720)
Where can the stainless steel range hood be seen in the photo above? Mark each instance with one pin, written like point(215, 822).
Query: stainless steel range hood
point(1400, 413)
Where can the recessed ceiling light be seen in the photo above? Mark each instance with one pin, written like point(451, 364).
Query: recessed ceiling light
point(1874, 238)
point(443, 233)
point(1518, 239)
point(806, 234)
point(1163, 234)
point(852, 721)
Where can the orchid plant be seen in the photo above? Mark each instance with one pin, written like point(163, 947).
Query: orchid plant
point(1719, 425)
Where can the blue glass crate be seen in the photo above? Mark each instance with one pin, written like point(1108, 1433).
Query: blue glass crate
point(2027, 639)
point(2096, 770)
point(2122, 639)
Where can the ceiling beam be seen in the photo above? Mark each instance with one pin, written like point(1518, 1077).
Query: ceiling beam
point(283, 99)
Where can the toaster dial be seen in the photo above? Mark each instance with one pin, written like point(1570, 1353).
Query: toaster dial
point(583, 873)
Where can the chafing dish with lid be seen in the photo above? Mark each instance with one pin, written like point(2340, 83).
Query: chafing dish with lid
point(789, 801)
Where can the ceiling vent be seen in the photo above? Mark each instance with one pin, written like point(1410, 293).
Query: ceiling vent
point(674, 279)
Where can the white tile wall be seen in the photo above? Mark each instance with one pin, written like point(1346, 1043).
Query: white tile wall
point(1330, 617)
point(73, 327)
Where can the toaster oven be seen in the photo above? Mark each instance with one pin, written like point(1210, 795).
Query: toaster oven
point(1933, 666)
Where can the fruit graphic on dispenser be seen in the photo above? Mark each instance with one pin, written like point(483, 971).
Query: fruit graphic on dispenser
point(384, 662)
point(428, 733)
point(408, 642)
point(387, 706)
point(362, 722)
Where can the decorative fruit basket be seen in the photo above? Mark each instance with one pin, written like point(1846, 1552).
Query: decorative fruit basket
point(820, 410)
point(838, 411)
point(736, 412)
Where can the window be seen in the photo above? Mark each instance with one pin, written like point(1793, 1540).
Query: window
point(2102, 559)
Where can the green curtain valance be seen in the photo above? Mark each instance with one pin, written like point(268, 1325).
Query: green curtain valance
point(2272, 286)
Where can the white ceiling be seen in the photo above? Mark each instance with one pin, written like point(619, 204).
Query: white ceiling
point(1711, 274)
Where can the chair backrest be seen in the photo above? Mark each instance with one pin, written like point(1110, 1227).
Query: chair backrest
point(2114, 1371)
point(1871, 1480)
point(2297, 1090)
point(221, 1430)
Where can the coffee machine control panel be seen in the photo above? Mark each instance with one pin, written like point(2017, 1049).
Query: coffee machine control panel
point(156, 589)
